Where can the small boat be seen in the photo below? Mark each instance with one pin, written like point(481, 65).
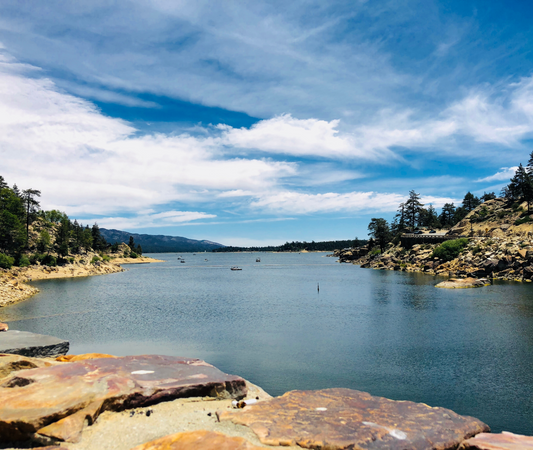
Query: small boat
point(182, 261)
point(236, 268)
point(258, 260)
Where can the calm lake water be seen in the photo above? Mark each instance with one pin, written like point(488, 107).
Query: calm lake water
point(388, 333)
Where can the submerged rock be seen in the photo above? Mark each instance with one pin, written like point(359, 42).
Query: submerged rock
point(463, 283)
point(345, 419)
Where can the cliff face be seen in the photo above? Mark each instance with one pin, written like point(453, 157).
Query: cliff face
point(500, 245)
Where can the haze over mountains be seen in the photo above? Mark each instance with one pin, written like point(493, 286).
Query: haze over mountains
point(160, 243)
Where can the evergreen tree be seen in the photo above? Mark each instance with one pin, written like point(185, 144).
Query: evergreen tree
point(131, 244)
point(447, 215)
point(31, 206)
point(3, 184)
point(470, 202)
point(379, 230)
point(488, 196)
point(412, 209)
point(99, 242)
point(12, 233)
point(400, 218)
point(63, 237)
point(139, 250)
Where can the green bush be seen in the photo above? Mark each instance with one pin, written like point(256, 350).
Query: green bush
point(450, 249)
point(95, 259)
point(522, 220)
point(106, 258)
point(49, 260)
point(24, 261)
point(6, 262)
point(135, 255)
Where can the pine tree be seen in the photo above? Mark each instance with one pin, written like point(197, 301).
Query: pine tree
point(412, 209)
point(31, 206)
point(99, 242)
point(470, 202)
point(447, 214)
point(379, 230)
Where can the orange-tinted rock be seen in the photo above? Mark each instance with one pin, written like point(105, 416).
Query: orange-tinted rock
point(4, 326)
point(85, 356)
point(13, 363)
point(501, 441)
point(55, 401)
point(343, 418)
point(198, 440)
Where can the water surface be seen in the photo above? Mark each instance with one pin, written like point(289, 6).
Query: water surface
point(388, 333)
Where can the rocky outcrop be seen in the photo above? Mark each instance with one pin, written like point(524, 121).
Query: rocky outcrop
point(31, 344)
point(201, 439)
point(55, 402)
point(344, 419)
point(509, 258)
point(501, 441)
point(463, 283)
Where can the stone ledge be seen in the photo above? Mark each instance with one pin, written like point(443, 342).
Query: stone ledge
point(31, 344)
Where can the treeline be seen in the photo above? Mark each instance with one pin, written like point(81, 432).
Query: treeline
point(412, 215)
point(297, 246)
point(54, 236)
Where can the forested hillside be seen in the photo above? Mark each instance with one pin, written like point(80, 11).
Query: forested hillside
point(31, 235)
point(297, 246)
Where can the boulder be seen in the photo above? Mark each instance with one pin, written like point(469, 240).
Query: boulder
point(4, 326)
point(463, 283)
point(347, 419)
point(14, 363)
point(56, 401)
point(201, 439)
point(501, 441)
point(32, 344)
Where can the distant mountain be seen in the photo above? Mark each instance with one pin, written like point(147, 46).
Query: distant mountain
point(159, 243)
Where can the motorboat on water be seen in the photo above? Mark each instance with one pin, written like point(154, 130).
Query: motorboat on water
point(236, 268)
point(258, 260)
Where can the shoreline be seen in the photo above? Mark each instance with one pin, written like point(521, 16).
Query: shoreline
point(14, 285)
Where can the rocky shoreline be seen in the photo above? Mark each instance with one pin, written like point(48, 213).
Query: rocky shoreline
point(14, 285)
point(505, 258)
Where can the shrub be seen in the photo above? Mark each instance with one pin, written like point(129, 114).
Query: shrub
point(49, 260)
point(106, 258)
point(6, 262)
point(476, 250)
point(450, 249)
point(135, 255)
point(95, 259)
point(24, 261)
point(522, 220)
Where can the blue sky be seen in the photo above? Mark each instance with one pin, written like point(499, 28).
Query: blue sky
point(252, 123)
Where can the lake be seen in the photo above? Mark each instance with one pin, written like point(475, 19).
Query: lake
point(391, 334)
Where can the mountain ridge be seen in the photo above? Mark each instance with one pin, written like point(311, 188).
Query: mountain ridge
point(160, 243)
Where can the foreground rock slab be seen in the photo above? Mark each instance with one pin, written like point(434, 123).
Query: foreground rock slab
point(55, 402)
point(13, 363)
point(346, 419)
point(32, 344)
point(501, 441)
point(198, 440)
point(463, 283)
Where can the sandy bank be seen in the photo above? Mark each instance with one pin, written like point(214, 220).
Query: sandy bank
point(13, 282)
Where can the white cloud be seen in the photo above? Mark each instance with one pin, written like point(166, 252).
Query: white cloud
point(288, 202)
point(168, 218)
point(287, 135)
point(505, 173)
point(86, 162)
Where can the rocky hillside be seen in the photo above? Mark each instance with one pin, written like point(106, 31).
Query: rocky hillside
point(499, 243)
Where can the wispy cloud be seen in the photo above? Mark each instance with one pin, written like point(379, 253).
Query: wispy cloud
point(504, 174)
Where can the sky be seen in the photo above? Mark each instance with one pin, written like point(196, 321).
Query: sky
point(260, 122)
